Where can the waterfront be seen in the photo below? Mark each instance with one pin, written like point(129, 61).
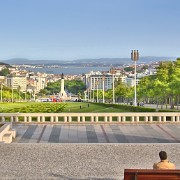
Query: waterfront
point(67, 70)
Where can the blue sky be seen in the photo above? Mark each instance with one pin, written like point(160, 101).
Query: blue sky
point(78, 29)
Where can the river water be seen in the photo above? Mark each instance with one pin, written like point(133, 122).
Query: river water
point(69, 70)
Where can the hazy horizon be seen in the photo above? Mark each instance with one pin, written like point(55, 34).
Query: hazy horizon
point(85, 59)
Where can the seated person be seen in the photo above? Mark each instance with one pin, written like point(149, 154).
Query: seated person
point(164, 163)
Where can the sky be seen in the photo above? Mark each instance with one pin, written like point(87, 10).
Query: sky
point(82, 29)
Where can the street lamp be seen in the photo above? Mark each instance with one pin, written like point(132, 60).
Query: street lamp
point(85, 95)
point(135, 57)
point(35, 88)
point(97, 90)
point(1, 91)
point(24, 92)
point(88, 91)
point(103, 79)
point(113, 90)
point(30, 95)
point(90, 95)
point(112, 72)
point(12, 95)
point(34, 95)
point(25, 97)
point(93, 89)
point(19, 92)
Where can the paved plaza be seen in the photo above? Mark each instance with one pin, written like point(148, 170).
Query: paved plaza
point(86, 152)
point(79, 161)
point(91, 133)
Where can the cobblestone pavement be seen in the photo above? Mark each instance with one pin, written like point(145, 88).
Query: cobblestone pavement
point(110, 133)
point(79, 161)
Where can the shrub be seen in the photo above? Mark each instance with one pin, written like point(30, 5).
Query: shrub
point(168, 110)
point(38, 108)
point(129, 108)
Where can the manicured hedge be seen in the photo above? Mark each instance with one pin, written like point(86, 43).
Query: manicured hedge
point(38, 108)
point(129, 108)
point(169, 110)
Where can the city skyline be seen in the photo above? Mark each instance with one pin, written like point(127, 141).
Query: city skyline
point(68, 30)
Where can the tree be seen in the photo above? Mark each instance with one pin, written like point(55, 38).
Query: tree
point(109, 94)
point(73, 86)
point(129, 69)
point(121, 91)
point(163, 87)
point(174, 84)
point(4, 72)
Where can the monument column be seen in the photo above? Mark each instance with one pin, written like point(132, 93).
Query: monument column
point(62, 85)
point(62, 93)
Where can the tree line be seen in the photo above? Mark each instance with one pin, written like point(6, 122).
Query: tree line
point(163, 88)
point(9, 94)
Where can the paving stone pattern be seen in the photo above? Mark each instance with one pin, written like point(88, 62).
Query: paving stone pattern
point(113, 133)
point(22, 161)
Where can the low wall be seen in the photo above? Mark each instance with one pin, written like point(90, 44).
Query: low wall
point(4, 129)
point(132, 117)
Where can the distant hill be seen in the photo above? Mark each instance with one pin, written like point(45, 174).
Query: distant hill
point(100, 61)
point(5, 64)
point(28, 61)
point(145, 59)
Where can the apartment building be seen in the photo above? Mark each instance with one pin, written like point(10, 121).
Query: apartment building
point(16, 82)
point(95, 80)
point(37, 81)
point(131, 82)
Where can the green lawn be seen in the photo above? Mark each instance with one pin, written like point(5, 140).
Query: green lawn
point(9, 105)
point(75, 107)
point(70, 107)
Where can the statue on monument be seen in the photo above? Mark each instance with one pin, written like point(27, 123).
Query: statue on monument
point(62, 76)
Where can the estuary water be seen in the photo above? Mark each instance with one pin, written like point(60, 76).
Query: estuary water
point(69, 70)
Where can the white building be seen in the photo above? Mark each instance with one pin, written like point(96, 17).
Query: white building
point(38, 81)
point(17, 82)
point(94, 80)
point(130, 81)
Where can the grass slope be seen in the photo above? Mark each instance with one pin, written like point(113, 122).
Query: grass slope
point(79, 107)
point(75, 107)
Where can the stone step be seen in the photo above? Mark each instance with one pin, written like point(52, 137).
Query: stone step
point(7, 138)
point(13, 132)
